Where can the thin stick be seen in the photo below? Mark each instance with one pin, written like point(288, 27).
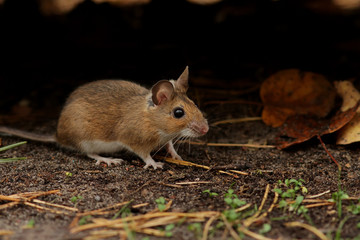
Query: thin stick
point(207, 227)
point(46, 209)
point(229, 227)
point(192, 183)
point(252, 234)
point(327, 151)
point(55, 205)
point(239, 172)
point(31, 195)
point(276, 197)
point(101, 211)
point(318, 195)
point(170, 185)
point(319, 204)
point(236, 120)
point(243, 207)
point(150, 231)
point(309, 201)
point(253, 218)
point(140, 205)
point(229, 144)
point(227, 173)
point(307, 227)
point(159, 221)
point(145, 217)
point(7, 205)
point(186, 163)
point(8, 198)
point(6, 232)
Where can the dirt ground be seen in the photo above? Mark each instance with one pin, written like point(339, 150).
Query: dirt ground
point(47, 166)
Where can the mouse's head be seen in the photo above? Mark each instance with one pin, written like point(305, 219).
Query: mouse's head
point(176, 114)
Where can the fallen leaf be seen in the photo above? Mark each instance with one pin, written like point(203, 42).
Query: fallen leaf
point(349, 94)
point(350, 132)
point(302, 128)
point(292, 92)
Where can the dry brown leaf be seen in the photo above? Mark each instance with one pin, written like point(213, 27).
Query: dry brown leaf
point(276, 116)
point(302, 128)
point(293, 92)
point(350, 132)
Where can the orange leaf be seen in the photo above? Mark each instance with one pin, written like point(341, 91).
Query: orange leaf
point(292, 92)
point(303, 128)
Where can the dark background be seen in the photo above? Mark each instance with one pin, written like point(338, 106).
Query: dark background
point(44, 57)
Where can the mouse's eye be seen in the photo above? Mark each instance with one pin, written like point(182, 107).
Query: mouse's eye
point(178, 112)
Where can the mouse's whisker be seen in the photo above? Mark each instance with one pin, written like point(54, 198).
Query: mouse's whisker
point(177, 136)
point(159, 149)
point(180, 140)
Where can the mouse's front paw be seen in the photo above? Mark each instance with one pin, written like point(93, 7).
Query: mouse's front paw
point(151, 162)
point(177, 157)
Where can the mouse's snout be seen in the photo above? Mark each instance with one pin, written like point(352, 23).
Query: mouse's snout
point(204, 129)
point(200, 128)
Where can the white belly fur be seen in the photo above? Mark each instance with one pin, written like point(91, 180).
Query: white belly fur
point(97, 146)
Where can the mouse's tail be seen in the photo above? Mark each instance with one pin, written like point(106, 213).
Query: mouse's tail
point(28, 135)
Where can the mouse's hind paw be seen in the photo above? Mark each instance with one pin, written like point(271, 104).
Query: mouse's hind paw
point(108, 161)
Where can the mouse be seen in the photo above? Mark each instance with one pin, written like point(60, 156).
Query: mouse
point(107, 116)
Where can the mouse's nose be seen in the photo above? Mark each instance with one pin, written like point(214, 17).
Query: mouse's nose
point(199, 128)
point(204, 129)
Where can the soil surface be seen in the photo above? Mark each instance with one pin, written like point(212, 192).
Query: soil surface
point(47, 167)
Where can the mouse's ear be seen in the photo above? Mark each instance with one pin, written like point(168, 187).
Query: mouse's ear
point(181, 84)
point(162, 91)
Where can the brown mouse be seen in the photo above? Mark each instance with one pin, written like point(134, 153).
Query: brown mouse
point(107, 116)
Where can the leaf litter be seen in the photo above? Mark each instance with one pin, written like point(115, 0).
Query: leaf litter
point(299, 104)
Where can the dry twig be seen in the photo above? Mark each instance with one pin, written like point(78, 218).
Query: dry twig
point(207, 226)
point(229, 228)
point(249, 145)
point(152, 219)
point(192, 183)
point(318, 195)
point(29, 199)
point(236, 120)
point(186, 163)
point(252, 234)
point(6, 232)
point(327, 151)
point(254, 218)
point(307, 227)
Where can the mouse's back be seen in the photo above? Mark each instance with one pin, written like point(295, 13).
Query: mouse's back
point(92, 110)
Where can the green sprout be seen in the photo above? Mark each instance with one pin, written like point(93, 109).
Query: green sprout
point(161, 203)
point(232, 200)
point(211, 194)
